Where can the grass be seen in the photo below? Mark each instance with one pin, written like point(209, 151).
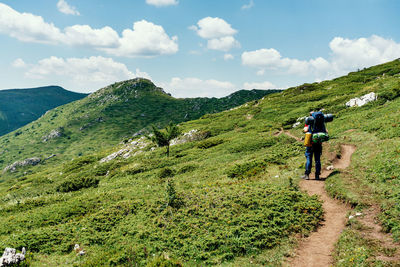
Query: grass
point(230, 199)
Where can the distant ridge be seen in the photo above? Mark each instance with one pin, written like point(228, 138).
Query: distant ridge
point(19, 107)
point(104, 118)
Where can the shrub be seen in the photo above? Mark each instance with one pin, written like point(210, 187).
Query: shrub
point(166, 172)
point(209, 143)
point(187, 168)
point(77, 183)
point(79, 163)
point(163, 261)
point(245, 170)
point(172, 198)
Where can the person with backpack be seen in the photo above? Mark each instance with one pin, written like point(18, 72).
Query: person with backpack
point(316, 133)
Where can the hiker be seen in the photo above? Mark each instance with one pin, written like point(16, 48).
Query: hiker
point(315, 125)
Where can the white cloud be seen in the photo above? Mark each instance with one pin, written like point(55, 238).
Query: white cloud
point(19, 63)
point(161, 3)
point(82, 74)
point(86, 36)
point(346, 55)
point(195, 87)
point(228, 57)
point(218, 32)
point(350, 54)
point(145, 39)
point(222, 44)
point(27, 27)
point(255, 85)
point(210, 28)
point(65, 8)
point(249, 5)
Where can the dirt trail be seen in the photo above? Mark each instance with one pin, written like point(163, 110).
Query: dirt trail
point(316, 250)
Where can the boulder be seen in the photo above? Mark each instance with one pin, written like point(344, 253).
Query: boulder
point(191, 136)
point(53, 134)
point(26, 162)
point(361, 101)
point(11, 257)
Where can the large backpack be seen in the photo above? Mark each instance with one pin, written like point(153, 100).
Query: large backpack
point(318, 129)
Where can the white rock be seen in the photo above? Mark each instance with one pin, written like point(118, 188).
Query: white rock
point(361, 101)
point(351, 217)
point(358, 214)
point(11, 257)
point(330, 168)
point(76, 247)
point(296, 124)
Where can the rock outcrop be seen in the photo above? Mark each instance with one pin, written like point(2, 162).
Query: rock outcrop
point(361, 101)
point(53, 134)
point(26, 162)
point(11, 257)
point(126, 152)
point(191, 136)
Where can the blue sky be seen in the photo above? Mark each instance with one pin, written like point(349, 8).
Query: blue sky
point(191, 47)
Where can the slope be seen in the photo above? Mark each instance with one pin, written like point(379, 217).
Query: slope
point(105, 117)
point(230, 199)
point(22, 106)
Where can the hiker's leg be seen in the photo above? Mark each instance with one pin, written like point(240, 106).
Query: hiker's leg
point(317, 154)
point(309, 160)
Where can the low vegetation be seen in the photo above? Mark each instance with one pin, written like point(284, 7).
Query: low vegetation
point(229, 200)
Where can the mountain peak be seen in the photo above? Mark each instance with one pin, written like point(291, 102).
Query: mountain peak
point(135, 87)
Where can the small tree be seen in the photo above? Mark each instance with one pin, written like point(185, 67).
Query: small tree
point(163, 138)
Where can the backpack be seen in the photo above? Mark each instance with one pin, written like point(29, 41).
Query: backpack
point(318, 129)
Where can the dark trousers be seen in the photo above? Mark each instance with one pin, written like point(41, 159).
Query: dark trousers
point(316, 150)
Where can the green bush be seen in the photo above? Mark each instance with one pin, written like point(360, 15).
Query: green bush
point(208, 143)
point(163, 261)
point(165, 173)
point(79, 163)
point(77, 183)
point(187, 168)
point(245, 170)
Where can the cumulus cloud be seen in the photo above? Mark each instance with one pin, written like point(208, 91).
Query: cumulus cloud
point(228, 57)
point(145, 39)
point(19, 63)
point(223, 43)
point(86, 36)
point(350, 54)
point(83, 74)
point(346, 55)
point(218, 33)
point(262, 85)
point(65, 8)
point(27, 27)
point(195, 87)
point(249, 5)
point(161, 3)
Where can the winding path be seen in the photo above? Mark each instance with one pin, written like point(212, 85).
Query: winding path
point(316, 250)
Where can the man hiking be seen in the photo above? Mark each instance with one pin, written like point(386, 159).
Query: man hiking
point(315, 126)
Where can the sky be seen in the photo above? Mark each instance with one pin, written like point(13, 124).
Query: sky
point(192, 48)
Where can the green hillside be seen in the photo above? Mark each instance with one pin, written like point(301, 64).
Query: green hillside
point(107, 116)
point(19, 107)
point(231, 199)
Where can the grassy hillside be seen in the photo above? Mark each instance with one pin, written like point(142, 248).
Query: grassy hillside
point(107, 116)
point(230, 199)
point(22, 106)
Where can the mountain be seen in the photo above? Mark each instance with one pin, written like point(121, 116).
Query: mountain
point(229, 197)
point(19, 107)
point(105, 117)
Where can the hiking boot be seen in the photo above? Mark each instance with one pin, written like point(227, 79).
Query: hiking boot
point(306, 177)
point(316, 176)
